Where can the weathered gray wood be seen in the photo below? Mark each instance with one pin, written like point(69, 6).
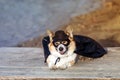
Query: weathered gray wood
point(28, 63)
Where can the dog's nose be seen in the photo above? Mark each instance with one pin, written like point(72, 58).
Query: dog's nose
point(61, 48)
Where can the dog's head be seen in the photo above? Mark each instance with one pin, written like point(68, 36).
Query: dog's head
point(61, 42)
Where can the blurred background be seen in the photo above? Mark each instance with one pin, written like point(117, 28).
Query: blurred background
point(23, 23)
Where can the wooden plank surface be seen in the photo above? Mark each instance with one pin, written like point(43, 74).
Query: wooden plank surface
point(28, 63)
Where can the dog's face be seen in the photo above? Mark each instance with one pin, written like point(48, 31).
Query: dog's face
point(61, 42)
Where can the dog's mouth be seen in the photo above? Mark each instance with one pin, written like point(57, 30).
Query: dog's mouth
point(61, 49)
point(62, 52)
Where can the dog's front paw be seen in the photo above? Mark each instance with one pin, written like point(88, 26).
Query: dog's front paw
point(52, 67)
point(50, 62)
point(71, 63)
point(62, 67)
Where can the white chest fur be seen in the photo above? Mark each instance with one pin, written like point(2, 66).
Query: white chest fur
point(62, 63)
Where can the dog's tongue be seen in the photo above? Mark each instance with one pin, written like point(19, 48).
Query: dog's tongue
point(61, 52)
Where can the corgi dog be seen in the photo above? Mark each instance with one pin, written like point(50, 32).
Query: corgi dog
point(61, 47)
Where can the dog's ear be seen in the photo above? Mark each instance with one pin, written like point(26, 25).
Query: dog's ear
point(50, 34)
point(69, 31)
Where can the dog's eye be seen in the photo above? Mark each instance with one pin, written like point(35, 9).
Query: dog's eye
point(57, 43)
point(64, 42)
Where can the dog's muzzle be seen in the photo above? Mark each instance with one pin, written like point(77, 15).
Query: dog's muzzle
point(61, 49)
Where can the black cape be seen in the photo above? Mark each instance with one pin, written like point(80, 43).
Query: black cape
point(85, 46)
